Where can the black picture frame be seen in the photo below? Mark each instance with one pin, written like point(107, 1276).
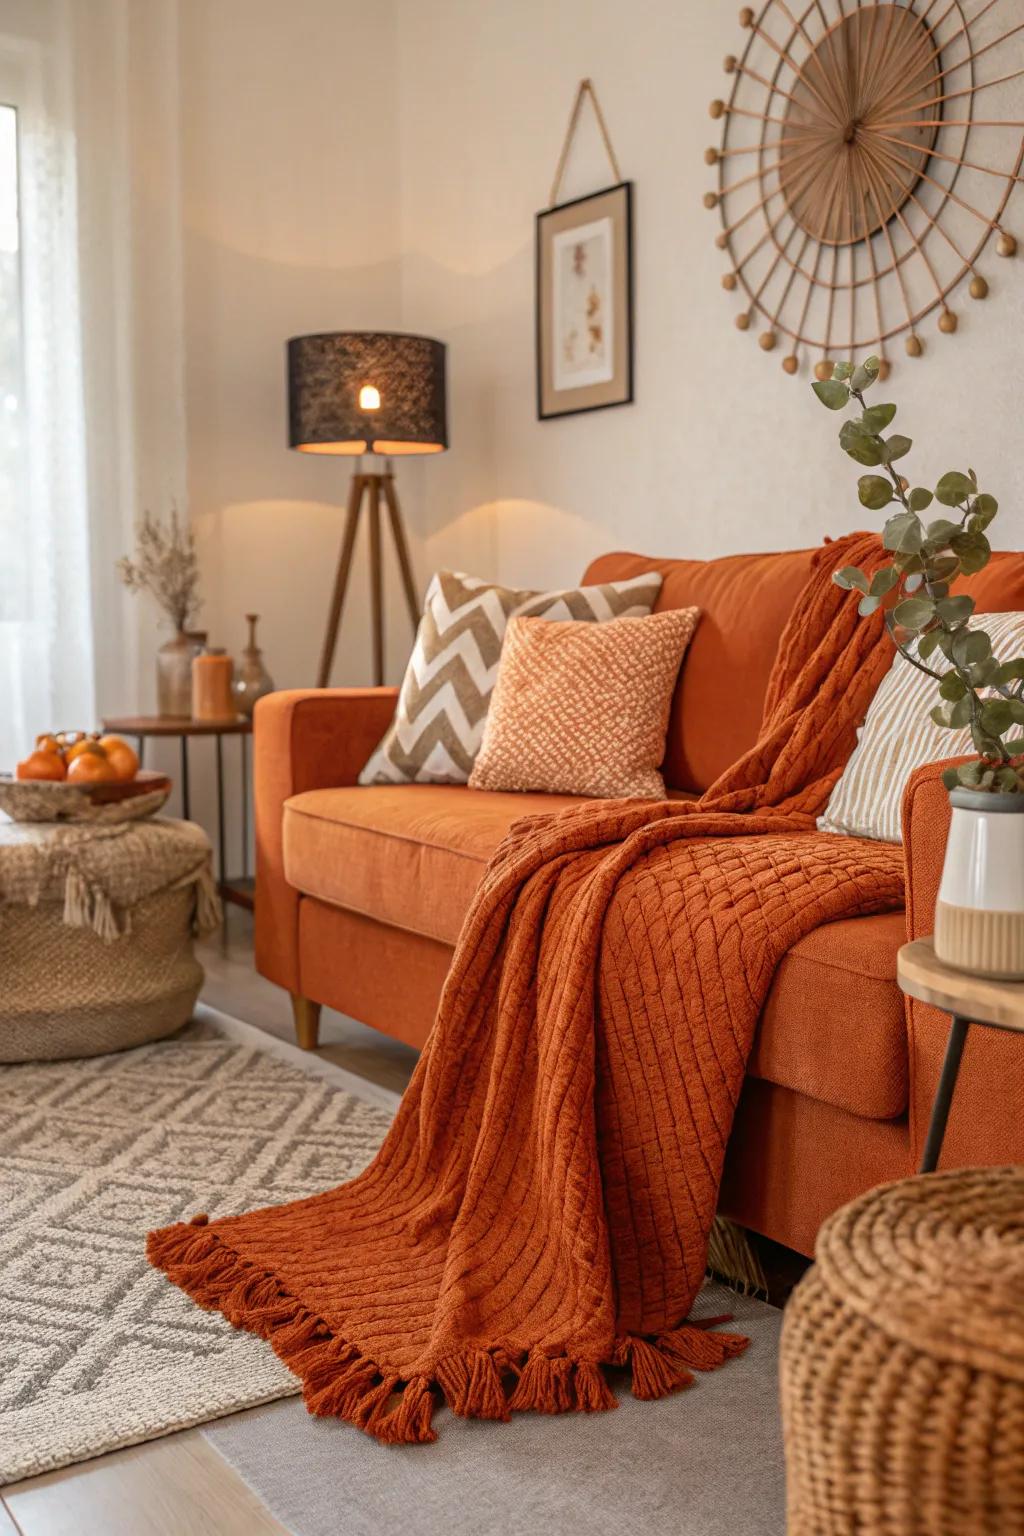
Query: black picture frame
point(620, 389)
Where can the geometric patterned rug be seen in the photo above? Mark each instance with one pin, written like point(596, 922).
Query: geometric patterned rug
point(97, 1349)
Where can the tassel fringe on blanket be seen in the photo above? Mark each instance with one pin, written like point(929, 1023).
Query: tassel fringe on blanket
point(340, 1382)
point(540, 1211)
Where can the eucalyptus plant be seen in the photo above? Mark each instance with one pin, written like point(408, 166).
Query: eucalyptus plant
point(929, 625)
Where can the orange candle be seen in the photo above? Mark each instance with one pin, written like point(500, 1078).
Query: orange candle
point(212, 674)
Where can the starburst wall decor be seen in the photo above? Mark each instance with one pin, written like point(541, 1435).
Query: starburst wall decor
point(865, 168)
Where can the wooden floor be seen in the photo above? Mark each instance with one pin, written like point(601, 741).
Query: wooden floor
point(180, 1486)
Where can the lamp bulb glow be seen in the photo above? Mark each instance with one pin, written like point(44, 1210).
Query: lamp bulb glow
point(369, 398)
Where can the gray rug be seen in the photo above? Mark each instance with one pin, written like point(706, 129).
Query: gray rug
point(706, 1462)
point(97, 1349)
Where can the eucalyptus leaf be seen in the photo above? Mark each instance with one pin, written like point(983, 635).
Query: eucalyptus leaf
point(928, 643)
point(954, 488)
point(850, 577)
point(941, 531)
point(951, 777)
point(970, 645)
point(866, 374)
point(861, 445)
point(955, 610)
point(983, 510)
point(903, 532)
point(920, 498)
point(1010, 671)
point(877, 417)
point(914, 612)
point(884, 580)
point(842, 370)
point(913, 583)
point(973, 550)
point(874, 491)
point(895, 447)
point(952, 687)
point(867, 606)
point(996, 716)
point(832, 393)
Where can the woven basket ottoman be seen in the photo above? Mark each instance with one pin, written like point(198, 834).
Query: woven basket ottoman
point(97, 923)
point(903, 1363)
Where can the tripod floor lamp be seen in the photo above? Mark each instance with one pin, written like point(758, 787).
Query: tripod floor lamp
point(377, 392)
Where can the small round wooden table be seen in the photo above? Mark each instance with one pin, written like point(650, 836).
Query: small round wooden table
point(144, 726)
point(969, 1000)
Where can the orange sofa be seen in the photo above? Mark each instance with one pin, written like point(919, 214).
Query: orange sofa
point(360, 894)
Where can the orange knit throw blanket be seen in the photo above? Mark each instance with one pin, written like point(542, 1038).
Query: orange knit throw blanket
point(542, 1204)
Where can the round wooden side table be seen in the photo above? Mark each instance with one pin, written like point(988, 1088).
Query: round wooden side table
point(978, 1000)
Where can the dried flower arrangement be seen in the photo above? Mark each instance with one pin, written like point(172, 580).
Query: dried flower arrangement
point(166, 566)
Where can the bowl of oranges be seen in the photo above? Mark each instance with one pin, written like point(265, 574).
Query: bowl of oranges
point(68, 774)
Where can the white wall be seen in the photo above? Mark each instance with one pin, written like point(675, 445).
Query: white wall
point(721, 451)
point(290, 206)
point(355, 166)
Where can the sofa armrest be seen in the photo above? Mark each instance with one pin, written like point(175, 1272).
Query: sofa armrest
point(302, 739)
point(985, 1125)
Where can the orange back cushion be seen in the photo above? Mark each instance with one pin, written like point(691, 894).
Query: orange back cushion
point(745, 601)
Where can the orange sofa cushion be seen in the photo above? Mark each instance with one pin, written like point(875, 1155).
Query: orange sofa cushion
point(411, 856)
point(745, 601)
point(408, 854)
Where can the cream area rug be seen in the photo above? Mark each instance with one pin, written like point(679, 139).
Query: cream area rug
point(97, 1351)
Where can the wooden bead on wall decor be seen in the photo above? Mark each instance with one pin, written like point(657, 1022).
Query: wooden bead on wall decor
point(823, 370)
point(884, 369)
point(842, 171)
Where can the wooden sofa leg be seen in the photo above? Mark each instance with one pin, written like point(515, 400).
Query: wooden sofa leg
point(307, 1021)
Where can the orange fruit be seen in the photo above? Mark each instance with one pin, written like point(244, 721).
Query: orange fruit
point(123, 757)
point(92, 767)
point(41, 765)
point(76, 748)
point(48, 742)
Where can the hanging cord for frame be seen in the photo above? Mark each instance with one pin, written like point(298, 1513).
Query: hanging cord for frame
point(585, 88)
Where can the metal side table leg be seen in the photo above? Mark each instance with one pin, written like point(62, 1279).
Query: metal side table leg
point(944, 1095)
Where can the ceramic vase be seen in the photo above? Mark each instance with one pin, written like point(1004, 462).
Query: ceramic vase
point(979, 916)
point(174, 674)
point(212, 676)
point(252, 680)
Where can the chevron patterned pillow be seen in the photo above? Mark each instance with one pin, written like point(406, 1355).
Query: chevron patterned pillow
point(443, 702)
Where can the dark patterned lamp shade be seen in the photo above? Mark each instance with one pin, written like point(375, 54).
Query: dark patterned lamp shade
point(367, 391)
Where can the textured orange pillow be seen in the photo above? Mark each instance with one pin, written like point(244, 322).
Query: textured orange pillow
point(582, 709)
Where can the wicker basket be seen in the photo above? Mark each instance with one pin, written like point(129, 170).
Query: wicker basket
point(66, 992)
point(903, 1363)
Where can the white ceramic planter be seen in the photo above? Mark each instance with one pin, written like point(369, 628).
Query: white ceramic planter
point(979, 916)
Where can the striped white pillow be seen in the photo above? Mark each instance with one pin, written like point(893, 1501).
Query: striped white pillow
point(898, 736)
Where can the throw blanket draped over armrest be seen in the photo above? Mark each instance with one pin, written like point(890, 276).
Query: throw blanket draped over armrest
point(542, 1204)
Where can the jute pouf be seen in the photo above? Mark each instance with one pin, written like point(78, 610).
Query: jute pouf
point(96, 934)
point(903, 1363)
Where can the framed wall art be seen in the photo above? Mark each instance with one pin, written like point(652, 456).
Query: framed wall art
point(584, 291)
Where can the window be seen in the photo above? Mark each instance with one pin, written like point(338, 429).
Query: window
point(12, 448)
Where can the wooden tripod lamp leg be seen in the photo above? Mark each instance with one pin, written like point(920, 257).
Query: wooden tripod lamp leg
point(355, 498)
point(376, 582)
point(401, 549)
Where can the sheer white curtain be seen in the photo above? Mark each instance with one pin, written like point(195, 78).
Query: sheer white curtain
point(46, 662)
point(101, 410)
